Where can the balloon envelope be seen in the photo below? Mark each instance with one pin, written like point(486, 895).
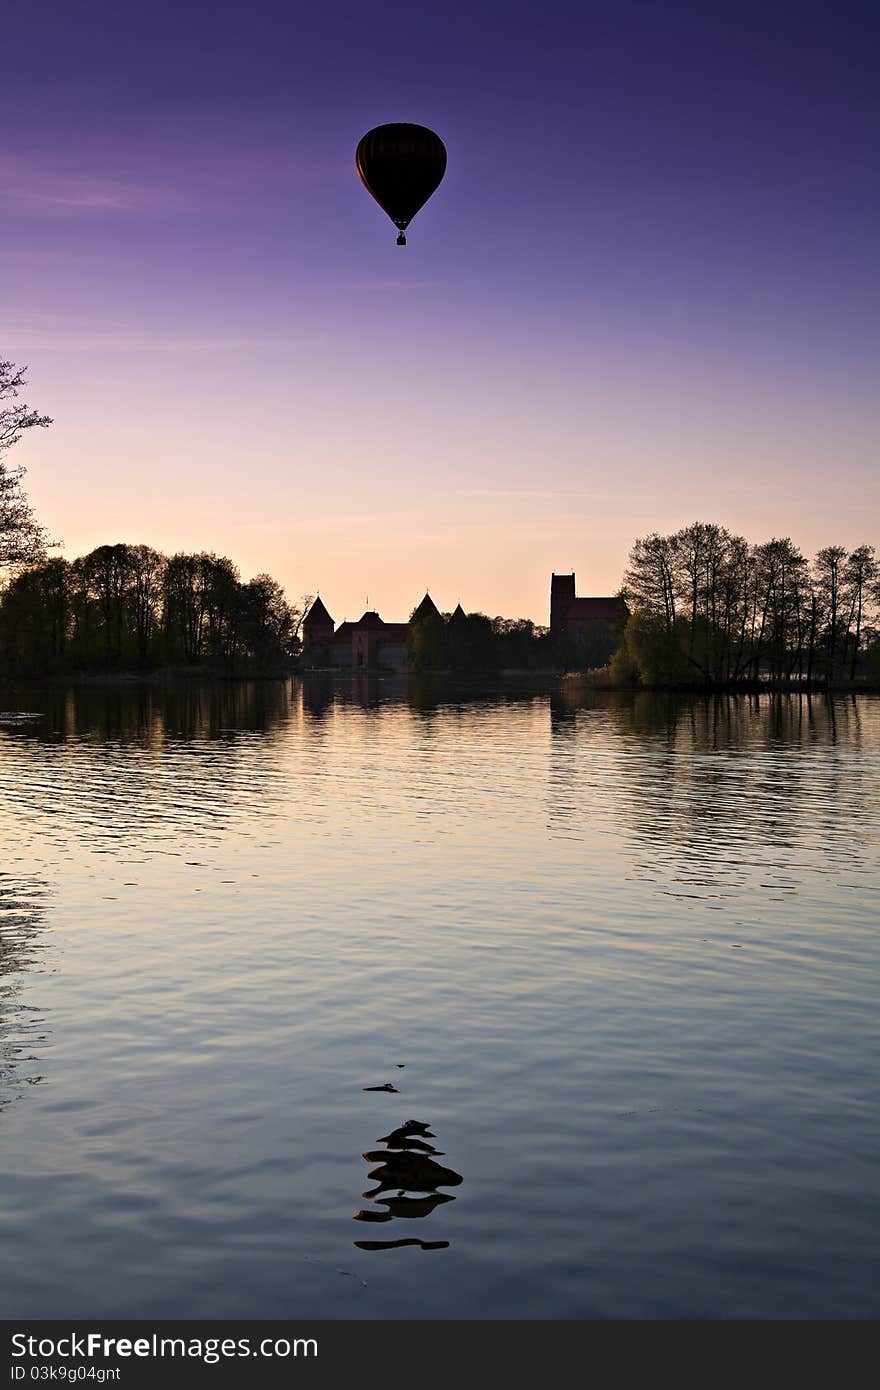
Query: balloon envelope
point(401, 166)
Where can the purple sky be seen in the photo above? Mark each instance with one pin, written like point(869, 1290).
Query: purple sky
point(647, 291)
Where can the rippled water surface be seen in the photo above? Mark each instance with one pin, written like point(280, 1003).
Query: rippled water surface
point(619, 958)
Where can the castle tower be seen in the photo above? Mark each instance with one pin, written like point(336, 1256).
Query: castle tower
point(426, 609)
point(317, 634)
point(562, 597)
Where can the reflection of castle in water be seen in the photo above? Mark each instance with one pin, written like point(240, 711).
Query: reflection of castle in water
point(408, 1169)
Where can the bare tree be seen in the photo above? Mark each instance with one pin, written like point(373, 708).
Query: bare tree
point(860, 574)
point(147, 569)
point(828, 571)
point(22, 540)
point(650, 577)
point(300, 611)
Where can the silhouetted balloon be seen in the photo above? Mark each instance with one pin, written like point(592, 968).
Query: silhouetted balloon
point(401, 166)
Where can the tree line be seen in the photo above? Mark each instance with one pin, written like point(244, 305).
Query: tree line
point(128, 607)
point(707, 607)
point(474, 642)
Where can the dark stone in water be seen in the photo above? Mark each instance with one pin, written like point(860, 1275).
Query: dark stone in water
point(406, 1166)
point(412, 1207)
point(409, 1172)
point(395, 1244)
point(408, 1127)
point(403, 1139)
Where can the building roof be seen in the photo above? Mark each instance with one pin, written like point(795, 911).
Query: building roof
point(370, 621)
point(390, 633)
point(458, 614)
point(601, 610)
point(427, 607)
point(317, 614)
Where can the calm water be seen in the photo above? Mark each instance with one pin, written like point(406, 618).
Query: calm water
point(626, 952)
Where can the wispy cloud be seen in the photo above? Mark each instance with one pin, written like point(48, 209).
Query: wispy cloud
point(42, 333)
point(169, 173)
point(39, 189)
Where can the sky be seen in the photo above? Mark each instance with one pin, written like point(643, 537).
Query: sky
point(646, 292)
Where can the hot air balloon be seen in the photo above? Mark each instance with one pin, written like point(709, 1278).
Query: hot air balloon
point(401, 166)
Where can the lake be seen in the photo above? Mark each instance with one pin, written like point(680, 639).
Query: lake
point(617, 955)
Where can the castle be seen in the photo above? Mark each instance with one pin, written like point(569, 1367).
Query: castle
point(572, 617)
point(371, 642)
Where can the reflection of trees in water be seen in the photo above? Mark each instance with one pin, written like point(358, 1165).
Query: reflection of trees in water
point(151, 713)
point(718, 781)
point(722, 721)
point(408, 1169)
point(20, 1023)
point(132, 765)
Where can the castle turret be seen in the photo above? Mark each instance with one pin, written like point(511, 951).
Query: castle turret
point(427, 608)
point(317, 633)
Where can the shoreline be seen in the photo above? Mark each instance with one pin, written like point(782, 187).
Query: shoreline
point(565, 682)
